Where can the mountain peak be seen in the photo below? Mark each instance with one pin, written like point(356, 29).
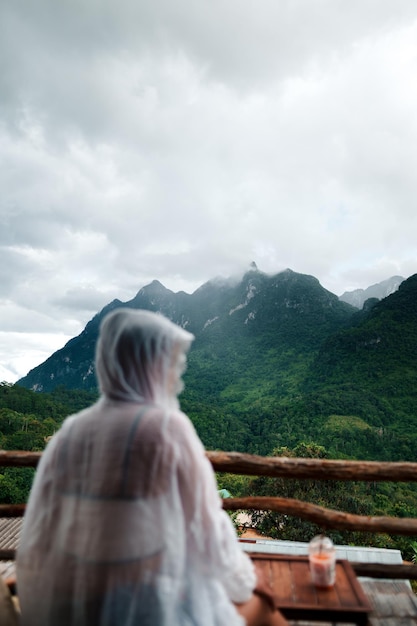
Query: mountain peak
point(380, 291)
point(154, 288)
point(155, 285)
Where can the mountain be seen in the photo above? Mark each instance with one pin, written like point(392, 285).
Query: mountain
point(361, 388)
point(378, 349)
point(278, 360)
point(238, 326)
point(380, 290)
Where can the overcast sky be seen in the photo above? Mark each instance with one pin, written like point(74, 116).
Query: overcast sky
point(183, 140)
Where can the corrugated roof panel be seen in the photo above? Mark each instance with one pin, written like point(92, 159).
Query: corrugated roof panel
point(351, 553)
point(9, 538)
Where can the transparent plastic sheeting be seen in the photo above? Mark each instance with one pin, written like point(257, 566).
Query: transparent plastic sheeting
point(124, 524)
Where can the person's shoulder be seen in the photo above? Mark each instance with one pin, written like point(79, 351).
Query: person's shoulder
point(73, 420)
point(67, 427)
point(179, 419)
point(182, 430)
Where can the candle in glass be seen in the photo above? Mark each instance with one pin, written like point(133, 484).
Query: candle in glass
point(322, 559)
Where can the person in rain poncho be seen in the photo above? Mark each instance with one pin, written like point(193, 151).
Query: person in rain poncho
point(124, 525)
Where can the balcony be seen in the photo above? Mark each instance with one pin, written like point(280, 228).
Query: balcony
point(383, 576)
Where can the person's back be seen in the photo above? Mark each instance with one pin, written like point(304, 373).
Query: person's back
point(124, 524)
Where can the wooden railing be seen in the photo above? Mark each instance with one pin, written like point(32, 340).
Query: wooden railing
point(318, 469)
point(289, 468)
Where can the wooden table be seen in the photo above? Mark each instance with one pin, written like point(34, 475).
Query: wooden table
point(351, 601)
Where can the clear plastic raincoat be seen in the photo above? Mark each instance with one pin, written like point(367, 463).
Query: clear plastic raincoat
point(124, 525)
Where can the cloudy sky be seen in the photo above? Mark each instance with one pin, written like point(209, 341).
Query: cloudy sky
point(182, 140)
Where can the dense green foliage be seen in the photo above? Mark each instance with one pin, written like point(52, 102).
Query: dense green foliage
point(369, 499)
point(27, 419)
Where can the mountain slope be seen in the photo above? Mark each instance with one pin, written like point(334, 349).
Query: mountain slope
point(238, 326)
point(379, 341)
point(370, 370)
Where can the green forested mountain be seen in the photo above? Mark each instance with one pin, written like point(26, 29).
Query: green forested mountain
point(369, 372)
point(254, 342)
point(278, 360)
point(262, 320)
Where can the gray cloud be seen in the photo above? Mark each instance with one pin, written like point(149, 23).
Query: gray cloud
point(180, 142)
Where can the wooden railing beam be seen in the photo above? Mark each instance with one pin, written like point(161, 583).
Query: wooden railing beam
point(325, 518)
point(314, 469)
point(19, 458)
point(7, 555)
point(404, 571)
point(12, 510)
point(278, 467)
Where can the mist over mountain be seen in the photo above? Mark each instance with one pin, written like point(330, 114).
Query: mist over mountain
point(230, 319)
point(381, 290)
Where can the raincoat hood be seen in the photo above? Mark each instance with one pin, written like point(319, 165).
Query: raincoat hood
point(140, 356)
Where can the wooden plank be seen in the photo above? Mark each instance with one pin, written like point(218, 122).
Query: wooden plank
point(344, 587)
point(281, 580)
point(303, 591)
